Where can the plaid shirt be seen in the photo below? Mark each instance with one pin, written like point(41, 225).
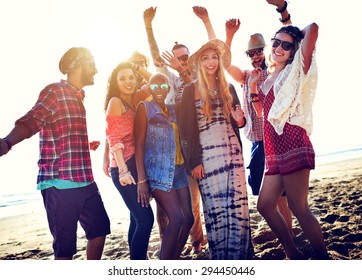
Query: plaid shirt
point(253, 129)
point(60, 116)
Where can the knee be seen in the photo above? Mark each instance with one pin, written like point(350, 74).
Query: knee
point(145, 222)
point(299, 210)
point(263, 207)
point(176, 220)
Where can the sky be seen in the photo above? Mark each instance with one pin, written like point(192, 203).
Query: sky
point(35, 34)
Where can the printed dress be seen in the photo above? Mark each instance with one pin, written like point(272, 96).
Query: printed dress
point(223, 188)
point(289, 152)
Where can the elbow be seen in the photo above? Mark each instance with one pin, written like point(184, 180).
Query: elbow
point(312, 29)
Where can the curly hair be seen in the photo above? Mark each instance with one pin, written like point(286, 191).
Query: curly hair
point(112, 87)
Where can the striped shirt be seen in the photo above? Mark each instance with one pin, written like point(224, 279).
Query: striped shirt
point(60, 118)
point(253, 129)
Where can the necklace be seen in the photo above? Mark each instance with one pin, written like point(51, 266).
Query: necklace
point(165, 110)
point(213, 92)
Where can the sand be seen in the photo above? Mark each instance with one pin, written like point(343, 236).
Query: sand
point(335, 198)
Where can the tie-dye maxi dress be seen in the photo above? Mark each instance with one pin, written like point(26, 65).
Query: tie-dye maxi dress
point(223, 188)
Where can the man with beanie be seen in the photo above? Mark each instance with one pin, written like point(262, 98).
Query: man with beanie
point(65, 177)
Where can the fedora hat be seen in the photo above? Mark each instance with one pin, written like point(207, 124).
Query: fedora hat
point(256, 41)
point(221, 48)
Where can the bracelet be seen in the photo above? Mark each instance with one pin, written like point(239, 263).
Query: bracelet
point(285, 20)
point(124, 174)
point(9, 143)
point(253, 95)
point(283, 8)
point(142, 181)
point(255, 100)
point(122, 169)
point(244, 121)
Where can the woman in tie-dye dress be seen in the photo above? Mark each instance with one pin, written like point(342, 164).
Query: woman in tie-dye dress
point(210, 118)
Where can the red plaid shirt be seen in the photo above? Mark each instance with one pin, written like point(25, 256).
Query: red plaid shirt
point(60, 116)
point(253, 129)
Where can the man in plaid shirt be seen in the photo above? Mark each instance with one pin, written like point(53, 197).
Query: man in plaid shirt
point(65, 175)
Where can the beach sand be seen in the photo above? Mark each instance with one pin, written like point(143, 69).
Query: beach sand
point(335, 198)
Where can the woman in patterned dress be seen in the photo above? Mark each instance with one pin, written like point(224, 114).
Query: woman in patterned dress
point(210, 118)
point(285, 101)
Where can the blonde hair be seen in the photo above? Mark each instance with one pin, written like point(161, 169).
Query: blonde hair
point(204, 89)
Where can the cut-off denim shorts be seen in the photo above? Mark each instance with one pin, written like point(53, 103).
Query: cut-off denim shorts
point(179, 181)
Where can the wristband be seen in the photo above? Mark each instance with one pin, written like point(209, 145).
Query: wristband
point(9, 143)
point(283, 8)
point(285, 20)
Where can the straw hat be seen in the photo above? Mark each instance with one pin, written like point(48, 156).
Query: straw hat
point(256, 41)
point(216, 44)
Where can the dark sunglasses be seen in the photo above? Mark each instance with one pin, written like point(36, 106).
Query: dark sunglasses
point(254, 52)
point(184, 57)
point(155, 87)
point(285, 45)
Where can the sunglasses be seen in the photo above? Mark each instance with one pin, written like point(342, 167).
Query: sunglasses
point(285, 45)
point(254, 52)
point(184, 57)
point(155, 87)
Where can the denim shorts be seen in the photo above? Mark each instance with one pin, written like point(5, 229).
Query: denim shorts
point(179, 181)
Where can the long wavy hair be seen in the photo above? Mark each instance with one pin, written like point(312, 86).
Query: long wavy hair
point(297, 37)
point(204, 89)
point(112, 86)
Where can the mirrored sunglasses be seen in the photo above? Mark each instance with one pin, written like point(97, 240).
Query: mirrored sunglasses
point(184, 57)
point(155, 87)
point(254, 52)
point(285, 45)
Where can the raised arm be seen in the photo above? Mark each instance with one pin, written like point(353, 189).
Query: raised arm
point(231, 27)
point(310, 33)
point(282, 9)
point(202, 13)
point(148, 16)
point(142, 71)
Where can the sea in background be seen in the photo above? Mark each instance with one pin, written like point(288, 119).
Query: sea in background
point(29, 200)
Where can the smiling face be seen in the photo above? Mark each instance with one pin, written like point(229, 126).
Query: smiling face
point(210, 61)
point(159, 88)
point(182, 55)
point(88, 71)
point(257, 57)
point(282, 46)
point(126, 81)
